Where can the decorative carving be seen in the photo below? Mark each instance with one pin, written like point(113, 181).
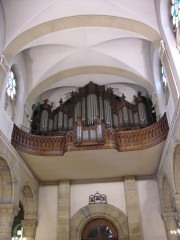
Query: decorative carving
point(90, 103)
point(97, 198)
point(112, 139)
point(9, 210)
point(29, 228)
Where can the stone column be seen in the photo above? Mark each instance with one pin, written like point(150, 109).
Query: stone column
point(170, 224)
point(63, 210)
point(29, 228)
point(133, 210)
point(7, 214)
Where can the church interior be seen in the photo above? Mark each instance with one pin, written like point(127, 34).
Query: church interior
point(89, 120)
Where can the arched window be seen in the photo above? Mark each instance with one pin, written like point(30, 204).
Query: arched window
point(11, 85)
point(175, 13)
point(99, 229)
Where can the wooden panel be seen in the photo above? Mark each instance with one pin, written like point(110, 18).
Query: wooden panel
point(112, 139)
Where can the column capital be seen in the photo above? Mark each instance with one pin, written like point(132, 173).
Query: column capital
point(29, 228)
point(9, 210)
point(167, 215)
point(177, 202)
point(7, 214)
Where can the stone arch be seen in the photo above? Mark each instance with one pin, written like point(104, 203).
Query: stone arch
point(6, 183)
point(166, 197)
point(177, 168)
point(107, 211)
point(21, 41)
point(28, 203)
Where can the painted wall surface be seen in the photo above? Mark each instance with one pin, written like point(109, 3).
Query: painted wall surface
point(152, 222)
point(113, 190)
point(2, 30)
point(47, 213)
point(6, 106)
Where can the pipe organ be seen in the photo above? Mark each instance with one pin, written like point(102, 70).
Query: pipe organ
point(89, 111)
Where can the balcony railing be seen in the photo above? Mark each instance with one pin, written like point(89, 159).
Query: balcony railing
point(138, 139)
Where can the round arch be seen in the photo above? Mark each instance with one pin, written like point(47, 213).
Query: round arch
point(6, 182)
point(93, 211)
point(86, 70)
point(28, 203)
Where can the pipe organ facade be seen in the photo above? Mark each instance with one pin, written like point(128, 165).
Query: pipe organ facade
point(92, 106)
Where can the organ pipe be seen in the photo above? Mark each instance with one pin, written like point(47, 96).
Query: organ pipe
point(90, 103)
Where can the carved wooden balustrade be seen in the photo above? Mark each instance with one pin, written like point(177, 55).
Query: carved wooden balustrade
point(120, 140)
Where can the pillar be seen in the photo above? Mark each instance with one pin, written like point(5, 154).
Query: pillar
point(7, 214)
point(170, 224)
point(63, 228)
point(29, 228)
point(133, 210)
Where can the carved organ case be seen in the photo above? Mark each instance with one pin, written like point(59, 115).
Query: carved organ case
point(89, 111)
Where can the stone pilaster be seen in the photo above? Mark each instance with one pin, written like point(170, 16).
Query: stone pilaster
point(7, 214)
point(29, 228)
point(133, 210)
point(170, 224)
point(63, 228)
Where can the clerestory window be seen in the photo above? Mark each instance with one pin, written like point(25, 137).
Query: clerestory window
point(175, 13)
point(11, 85)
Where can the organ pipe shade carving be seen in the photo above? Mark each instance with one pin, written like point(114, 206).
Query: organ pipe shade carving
point(92, 105)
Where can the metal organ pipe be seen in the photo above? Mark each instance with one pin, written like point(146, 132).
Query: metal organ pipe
point(108, 115)
point(60, 120)
point(44, 121)
point(84, 111)
point(101, 112)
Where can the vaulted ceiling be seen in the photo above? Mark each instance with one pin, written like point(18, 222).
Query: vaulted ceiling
point(65, 44)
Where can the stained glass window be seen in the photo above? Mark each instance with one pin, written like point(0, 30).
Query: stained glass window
point(163, 76)
point(11, 85)
point(175, 13)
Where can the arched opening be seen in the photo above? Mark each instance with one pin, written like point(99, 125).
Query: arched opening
point(6, 189)
point(99, 229)
point(29, 203)
point(83, 222)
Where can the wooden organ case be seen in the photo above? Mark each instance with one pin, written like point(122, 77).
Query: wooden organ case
point(84, 117)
